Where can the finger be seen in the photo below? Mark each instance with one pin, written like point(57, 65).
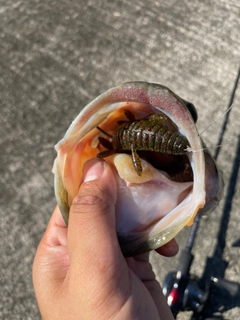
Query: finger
point(56, 232)
point(51, 261)
point(92, 235)
point(169, 249)
point(141, 266)
point(143, 269)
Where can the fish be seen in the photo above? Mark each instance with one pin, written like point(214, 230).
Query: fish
point(155, 205)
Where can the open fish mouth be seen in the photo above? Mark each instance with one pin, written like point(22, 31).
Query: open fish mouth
point(175, 182)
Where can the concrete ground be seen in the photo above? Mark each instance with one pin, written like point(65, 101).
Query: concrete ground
point(55, 57)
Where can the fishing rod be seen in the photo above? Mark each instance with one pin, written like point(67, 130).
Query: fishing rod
point(184, 291)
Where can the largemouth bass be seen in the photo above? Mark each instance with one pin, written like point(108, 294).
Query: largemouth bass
point(177, 179)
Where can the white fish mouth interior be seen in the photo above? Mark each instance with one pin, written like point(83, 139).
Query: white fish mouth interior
point(165, 184)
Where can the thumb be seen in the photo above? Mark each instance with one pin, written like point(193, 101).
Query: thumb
point(92, 235)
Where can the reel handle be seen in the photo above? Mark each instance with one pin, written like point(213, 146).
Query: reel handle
point(232, 287)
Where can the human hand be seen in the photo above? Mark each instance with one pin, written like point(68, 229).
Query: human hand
point(79, 272)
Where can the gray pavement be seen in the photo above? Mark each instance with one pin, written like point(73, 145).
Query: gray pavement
point(55, 57)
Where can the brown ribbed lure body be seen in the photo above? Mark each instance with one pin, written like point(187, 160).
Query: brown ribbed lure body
point(147, 134)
